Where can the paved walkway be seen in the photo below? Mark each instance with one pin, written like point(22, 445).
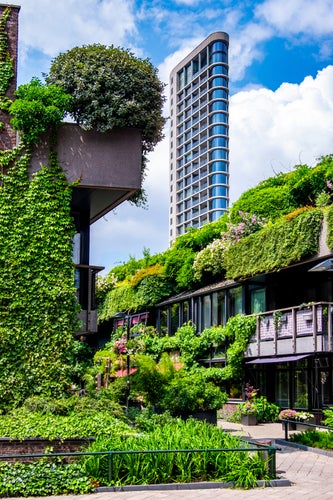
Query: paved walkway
point(311, 475)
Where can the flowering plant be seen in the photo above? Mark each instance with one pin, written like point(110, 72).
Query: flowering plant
point(131, 346)
point(303, 415)
point(294, 415)
point(287, 415)
point(248, 408)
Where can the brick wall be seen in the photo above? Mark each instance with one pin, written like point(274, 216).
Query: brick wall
point(35, 445)
point(8, 136)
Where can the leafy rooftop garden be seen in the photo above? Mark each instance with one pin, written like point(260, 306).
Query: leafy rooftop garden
point(271, 226)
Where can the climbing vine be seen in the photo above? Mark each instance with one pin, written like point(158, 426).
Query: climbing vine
point(6, 62)
point(37, 302)
point(38, 308)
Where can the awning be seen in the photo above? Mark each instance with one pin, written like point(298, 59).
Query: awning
point(282, 359)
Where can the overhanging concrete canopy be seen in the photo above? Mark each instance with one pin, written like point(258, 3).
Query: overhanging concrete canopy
point(107, 166)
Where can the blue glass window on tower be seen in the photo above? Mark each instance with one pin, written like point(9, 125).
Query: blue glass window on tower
point(203, 59)
point(219, 46)
point(218, 106)
point(218, 52)
point(219, 179)
point(218, 94)
point(218, 81)
point(219, 166)
point(219, 202)
point(181, 79)
point(216, 215)
point(218, 57)
point(218, 117)
point(218, 154)
point(219, 130)
point(218, 69)
point(195, 65)
point(218, 142)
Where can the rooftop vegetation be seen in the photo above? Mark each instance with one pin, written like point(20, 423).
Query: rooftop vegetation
point(270, 226)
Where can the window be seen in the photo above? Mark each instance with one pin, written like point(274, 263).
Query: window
point(218, 308)
point(235, 301)
point(257, 300)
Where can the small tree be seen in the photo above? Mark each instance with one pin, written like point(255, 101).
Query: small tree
point(111, 88)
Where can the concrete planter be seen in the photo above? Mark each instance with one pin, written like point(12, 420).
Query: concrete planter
point(249, 420)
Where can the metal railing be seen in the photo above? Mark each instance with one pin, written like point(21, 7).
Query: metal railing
point(285, 424)
point(268, 451)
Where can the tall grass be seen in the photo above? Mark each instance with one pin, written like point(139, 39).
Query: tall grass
point(242, 467)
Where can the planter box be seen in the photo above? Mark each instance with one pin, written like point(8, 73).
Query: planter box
point(249, 420)
point(209, 416)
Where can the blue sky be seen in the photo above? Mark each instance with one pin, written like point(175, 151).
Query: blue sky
point(281, 87)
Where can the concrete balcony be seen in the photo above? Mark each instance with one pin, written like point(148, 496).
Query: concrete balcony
point(107, 166)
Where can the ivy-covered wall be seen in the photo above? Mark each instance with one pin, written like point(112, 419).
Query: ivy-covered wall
point(37, 301)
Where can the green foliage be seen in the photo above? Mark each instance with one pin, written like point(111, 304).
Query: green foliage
point(189, 392)
point(121, 298)
point(284, 193)
point(111, 88)
point(329, 219)
point(149, 381)
point(179, 467)
point(197, 239)
point(43, 478)
point(38, 108)
point(179, 267)
point(259, 406)
point(328, 413)
point(275, 246)
point(265, 201)
point(314, 439)
point(38, 309)
point(6, 63)
point(80, 423)
point(152, 290)
point(209, 261)
point(239, 331)
point(198, 256)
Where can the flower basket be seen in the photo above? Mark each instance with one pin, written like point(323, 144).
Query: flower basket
point(249, 420)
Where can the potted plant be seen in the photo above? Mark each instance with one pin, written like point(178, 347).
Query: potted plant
point(248, 412)
point(288, 415)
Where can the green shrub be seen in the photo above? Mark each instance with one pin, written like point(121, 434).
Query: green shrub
point(314, 439)
point(177, 467)
point(43, 478)
point(189, 392)
point(111, 88)
point(78, 424)
point(275, 246)
point(38, 108)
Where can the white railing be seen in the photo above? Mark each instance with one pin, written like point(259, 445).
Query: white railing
point(300, 329)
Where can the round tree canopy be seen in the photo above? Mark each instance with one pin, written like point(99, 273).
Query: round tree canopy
point(111, 88)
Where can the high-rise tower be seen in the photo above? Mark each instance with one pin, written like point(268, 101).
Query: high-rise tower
point(199, 136)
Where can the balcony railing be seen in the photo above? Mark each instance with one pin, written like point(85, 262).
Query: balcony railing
point(300, 329)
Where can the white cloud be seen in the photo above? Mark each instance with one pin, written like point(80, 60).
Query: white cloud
point(270, 131)
point(52, 27)
point(245, 48)
point(298, 16)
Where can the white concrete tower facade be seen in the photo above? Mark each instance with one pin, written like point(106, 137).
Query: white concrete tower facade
point(199, 136)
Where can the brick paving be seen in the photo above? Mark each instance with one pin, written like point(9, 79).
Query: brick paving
point(310, 474)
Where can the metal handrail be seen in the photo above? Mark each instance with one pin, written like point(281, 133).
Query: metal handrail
point(271, 453)
point(285, 423)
